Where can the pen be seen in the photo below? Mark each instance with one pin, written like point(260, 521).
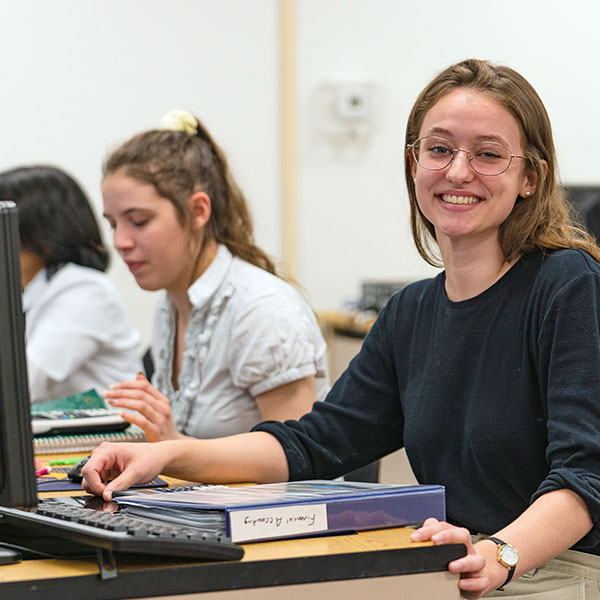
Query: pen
point(44, 471)
point(65, 461)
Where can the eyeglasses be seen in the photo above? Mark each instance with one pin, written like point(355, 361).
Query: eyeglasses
point(486, 158)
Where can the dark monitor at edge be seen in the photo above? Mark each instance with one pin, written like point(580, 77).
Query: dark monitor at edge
point(17, 479)
point(585, 199)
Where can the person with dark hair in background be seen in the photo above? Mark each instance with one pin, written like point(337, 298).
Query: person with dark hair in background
point(78, 334)
point(233, 342)
point(488, 374)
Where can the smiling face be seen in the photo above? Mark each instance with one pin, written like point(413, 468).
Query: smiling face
point(147, 233)
point(460, 203)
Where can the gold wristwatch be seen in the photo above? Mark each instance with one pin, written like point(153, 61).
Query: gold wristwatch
point(508, 556)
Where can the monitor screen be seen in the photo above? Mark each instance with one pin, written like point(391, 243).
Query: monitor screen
point(17, 478)
point(585, 199)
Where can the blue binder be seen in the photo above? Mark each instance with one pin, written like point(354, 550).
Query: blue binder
point(295, 509)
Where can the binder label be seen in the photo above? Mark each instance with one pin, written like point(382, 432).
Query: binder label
point(277, 521)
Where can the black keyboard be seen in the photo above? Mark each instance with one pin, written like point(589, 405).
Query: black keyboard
point(66, 527)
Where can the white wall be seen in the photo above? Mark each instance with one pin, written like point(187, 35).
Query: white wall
point(353, 205)
point(80, 76)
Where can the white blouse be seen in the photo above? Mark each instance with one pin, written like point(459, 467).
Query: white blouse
point(78, 334)
point(249, 332)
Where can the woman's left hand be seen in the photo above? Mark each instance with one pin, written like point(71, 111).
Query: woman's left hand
point(153, 408)
point(474, 579)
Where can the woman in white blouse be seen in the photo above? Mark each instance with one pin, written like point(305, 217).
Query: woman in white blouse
point(234, 344)
point(78, 334)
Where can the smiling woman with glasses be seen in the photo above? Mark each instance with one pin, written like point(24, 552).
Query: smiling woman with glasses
point(488, 374)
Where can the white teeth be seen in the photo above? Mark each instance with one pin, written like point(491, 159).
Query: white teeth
point(460, 199)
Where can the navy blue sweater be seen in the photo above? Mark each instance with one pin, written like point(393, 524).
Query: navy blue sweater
point(496, 397)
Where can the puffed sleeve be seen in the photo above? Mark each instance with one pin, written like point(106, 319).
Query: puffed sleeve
point(275, 340)
point(569, 364)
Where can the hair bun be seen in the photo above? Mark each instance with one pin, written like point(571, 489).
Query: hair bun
point(180, 120)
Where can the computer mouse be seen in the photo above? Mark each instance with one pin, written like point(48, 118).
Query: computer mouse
point(74, 473)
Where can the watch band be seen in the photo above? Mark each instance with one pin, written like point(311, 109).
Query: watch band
point(511, 568)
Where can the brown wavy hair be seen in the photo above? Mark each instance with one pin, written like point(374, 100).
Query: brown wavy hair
point(177, 165)
point(542, 221)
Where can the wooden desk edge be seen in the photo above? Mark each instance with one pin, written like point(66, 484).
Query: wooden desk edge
point(349, 321)
point(133, 582)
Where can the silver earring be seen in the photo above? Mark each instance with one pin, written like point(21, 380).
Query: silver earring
point(528, 193)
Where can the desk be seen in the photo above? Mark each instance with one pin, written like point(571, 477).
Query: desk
point(375, 563)
point(382, 564)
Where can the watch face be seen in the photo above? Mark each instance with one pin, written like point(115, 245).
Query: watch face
point(510, 555)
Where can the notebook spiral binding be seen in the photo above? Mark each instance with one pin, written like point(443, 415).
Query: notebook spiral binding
point(57, 444)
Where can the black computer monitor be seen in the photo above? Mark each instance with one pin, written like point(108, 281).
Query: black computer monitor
point(17, 479)
point(585, 199)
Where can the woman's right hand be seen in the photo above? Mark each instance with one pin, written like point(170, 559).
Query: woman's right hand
point(118, 466)
point(153, 409)
point(475, 576)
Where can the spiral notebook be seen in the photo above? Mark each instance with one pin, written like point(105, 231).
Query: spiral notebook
point(56, 444)
point(79, 442)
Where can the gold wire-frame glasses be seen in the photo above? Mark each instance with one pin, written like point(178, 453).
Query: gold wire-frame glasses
point(485, 158)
